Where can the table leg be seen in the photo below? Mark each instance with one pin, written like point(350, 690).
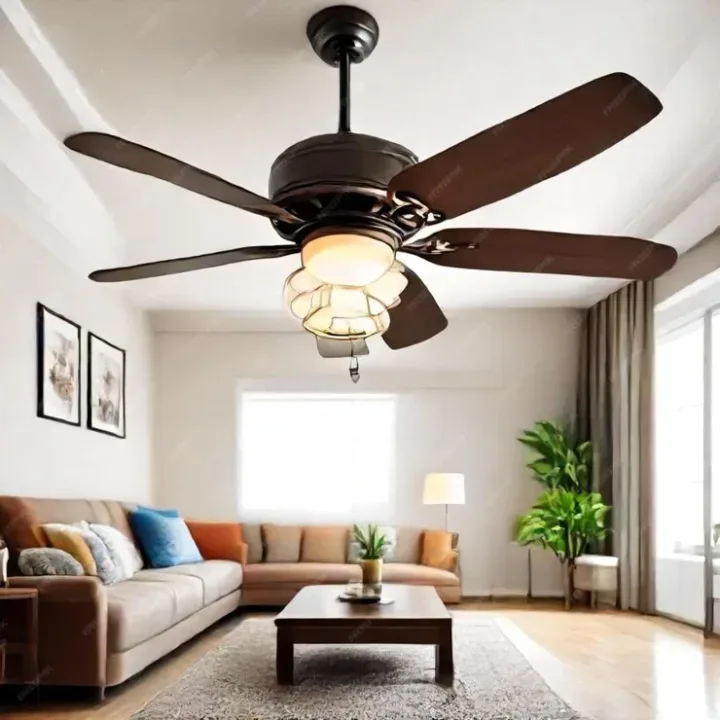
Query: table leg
point(444, 668)
point(284, 657)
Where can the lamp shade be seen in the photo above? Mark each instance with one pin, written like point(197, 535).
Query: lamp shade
point(444, 489)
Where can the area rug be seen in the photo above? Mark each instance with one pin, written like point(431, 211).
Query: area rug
point(493, 681)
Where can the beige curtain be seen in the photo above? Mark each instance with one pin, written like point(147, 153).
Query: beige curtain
point(615, 412)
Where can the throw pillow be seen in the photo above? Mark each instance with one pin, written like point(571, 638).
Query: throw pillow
point(165, 513)
point(219, 541)
point(437, 550)
point(48, 561)
point(390, 533)
point(167, 542)
point(252, 536)
point(123, 552)
point(282, 543)
point(20, 526)
point(69, 539)
point(106, 569)
point(324, 544)
point(409, 545)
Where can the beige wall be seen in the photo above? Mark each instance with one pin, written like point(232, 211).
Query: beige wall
point(49, 459)
point(463, 398)
point(693, 265)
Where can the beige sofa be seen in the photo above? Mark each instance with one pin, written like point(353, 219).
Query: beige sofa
point(275, 583)
point(96, 635)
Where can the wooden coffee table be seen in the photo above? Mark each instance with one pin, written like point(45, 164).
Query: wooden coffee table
point(315, 616)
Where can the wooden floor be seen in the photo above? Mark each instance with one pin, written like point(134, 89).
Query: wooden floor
point(608, 665)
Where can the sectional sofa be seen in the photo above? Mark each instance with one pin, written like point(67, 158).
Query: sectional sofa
point(100, 635)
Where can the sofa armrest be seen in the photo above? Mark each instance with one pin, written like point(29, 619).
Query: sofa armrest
point(72, 619)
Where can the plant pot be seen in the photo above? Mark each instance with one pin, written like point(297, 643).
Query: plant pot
point(371, 571)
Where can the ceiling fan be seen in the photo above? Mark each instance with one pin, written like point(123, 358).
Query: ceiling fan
point(348, 203)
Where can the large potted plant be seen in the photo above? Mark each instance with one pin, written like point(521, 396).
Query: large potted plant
point(371, 544)
point(566, 518)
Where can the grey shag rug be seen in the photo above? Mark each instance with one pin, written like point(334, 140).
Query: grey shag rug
point(493, 681)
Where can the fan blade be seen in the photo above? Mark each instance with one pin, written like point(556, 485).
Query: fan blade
point(341, 348)
point(532, 147)
point(138, 158)
point(537, 251)
point(195, 262)
point(417, 318)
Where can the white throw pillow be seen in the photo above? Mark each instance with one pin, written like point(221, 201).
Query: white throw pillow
point(122, 550)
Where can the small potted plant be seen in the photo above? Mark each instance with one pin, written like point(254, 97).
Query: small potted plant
point(372, 548)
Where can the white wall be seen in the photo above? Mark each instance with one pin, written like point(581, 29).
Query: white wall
point(42, 458)
point(464, 396)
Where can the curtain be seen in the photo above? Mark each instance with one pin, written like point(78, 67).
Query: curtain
point(615, 412)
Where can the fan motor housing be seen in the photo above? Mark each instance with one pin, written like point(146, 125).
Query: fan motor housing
point(347, 161)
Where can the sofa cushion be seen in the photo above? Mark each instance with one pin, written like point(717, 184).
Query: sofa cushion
point(407, 546)
point(437, 550)
point(324, 543)
point(48, 561)
point(166, 541)
point(148, 604)
point(282, 543)
point(219, 541)
point(218, 577)
point(412, 574)
point(20, 525)
point(106, 569)
point(300, 574)
point(252, 536)
point(68, 538)
point(123, 551)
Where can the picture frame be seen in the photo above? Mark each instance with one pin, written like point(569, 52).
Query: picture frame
point(59, 357)
point(106, 380)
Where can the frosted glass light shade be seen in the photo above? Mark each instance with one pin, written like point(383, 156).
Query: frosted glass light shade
point(343, 312)
point(444, 489)
point(388, 288)
point(347, 258)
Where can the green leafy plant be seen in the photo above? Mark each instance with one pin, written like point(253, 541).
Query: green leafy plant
point(562, 462)
point(567, 518)
point(565, 522)
point(371, 542)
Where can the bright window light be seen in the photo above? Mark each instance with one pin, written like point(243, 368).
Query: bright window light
point(679, 440)
point(306, 457)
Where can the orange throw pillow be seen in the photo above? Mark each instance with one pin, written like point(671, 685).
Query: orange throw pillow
point(437, 550)
point(219, 541)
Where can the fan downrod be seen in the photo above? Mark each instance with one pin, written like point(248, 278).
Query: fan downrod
point(343, 29)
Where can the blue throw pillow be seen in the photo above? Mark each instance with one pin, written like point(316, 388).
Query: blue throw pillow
point(166, 541)
point(164, 513)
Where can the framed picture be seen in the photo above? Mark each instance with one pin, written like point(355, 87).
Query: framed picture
point(106, 387)
point(58, 367)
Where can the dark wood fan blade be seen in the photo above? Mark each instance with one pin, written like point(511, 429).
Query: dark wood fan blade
point(341, 348)
point(196, 262)
point(532, 147)
point(537, 251)
point(140, 159)
point(417, 318)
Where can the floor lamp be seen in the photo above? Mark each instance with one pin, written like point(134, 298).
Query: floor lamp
point(444, 489)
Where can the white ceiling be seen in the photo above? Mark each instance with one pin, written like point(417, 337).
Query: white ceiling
point(228, 84)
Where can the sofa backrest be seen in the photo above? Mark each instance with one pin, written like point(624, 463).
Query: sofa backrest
point(407, 550)
point(21, 518)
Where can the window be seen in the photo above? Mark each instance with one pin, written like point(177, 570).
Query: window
point(316, 456)
point(679, 467)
